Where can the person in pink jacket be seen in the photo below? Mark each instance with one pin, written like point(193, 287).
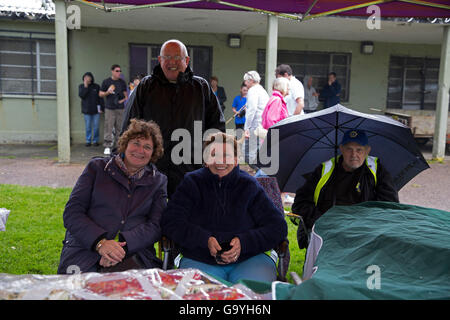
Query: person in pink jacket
point(276, 109)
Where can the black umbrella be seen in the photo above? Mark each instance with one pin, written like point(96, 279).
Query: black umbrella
point(305, 141)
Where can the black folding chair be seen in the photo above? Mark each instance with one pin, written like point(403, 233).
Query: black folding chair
point(272, 190)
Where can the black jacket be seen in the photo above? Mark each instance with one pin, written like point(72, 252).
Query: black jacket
point(331, 94)
point(222, 97)
point(89, 96)
point(235, 205)
point(175, 106)
point(304, 199)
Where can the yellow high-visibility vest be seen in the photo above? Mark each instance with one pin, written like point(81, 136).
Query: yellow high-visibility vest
point(328, 168)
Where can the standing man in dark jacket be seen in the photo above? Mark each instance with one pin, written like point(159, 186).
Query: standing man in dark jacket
point(114, 89)
point(91, 106)
point(174, 98)
point(331, 92)
point(357, 178)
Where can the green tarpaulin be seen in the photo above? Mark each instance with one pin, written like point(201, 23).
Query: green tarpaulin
point(378, 250)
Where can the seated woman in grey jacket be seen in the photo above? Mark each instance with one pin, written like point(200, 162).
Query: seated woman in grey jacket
point(114, 211)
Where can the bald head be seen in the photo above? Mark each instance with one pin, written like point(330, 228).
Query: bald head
point(176, 42)
point(173, 59)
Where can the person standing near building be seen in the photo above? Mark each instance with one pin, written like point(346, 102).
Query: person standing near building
point(257, 98)
point(276, 109)
point(114, 89)
point(311, 96)
point(134, 82)
point(239, 107)
point(91, 107)
point(331, 92)
point(218, 91)
point(238, 103)
point(294, 100)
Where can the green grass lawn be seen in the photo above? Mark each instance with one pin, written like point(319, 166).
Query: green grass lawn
point(34, 232)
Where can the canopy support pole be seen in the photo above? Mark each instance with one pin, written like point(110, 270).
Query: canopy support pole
point(271, 51)
point(440, 128)
point(62, 82)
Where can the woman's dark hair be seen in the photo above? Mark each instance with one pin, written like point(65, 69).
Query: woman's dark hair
point(146, 130)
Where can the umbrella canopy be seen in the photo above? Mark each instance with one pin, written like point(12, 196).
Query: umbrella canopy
point(305, 141)
point(307, 8)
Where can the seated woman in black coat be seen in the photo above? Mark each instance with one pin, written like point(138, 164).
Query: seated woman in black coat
point(114, 211)
point(222, 219)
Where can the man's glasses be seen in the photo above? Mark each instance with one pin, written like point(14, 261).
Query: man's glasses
point(176, 58)
point(117, 70)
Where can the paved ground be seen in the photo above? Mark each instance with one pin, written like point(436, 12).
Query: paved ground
point(37, 165)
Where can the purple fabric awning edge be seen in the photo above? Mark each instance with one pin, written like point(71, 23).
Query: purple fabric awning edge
point(391, 9)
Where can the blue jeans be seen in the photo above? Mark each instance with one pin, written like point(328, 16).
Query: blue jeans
point(91, 122)
point(259, 268)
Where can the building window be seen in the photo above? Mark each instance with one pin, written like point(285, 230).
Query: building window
point(27, 66)
point(413, 83)
point(143, 58)
point(315, 64)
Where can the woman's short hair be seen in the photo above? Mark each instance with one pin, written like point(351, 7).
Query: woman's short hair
point(221, 137)
point(281, 84)
point(252, 75)
point(146, 130)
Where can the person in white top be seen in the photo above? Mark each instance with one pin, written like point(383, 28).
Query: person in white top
point(295, 99)
point(257, 99)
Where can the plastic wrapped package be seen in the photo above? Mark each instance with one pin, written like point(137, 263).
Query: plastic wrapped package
point(150, 284)
point(4, 213)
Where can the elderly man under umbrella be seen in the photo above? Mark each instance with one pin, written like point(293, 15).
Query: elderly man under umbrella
point(356, 178)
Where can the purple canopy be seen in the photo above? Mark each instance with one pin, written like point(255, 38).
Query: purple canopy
point(395, 8)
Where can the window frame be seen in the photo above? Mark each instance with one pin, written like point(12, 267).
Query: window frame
point(426, 65)
point(34, 65)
